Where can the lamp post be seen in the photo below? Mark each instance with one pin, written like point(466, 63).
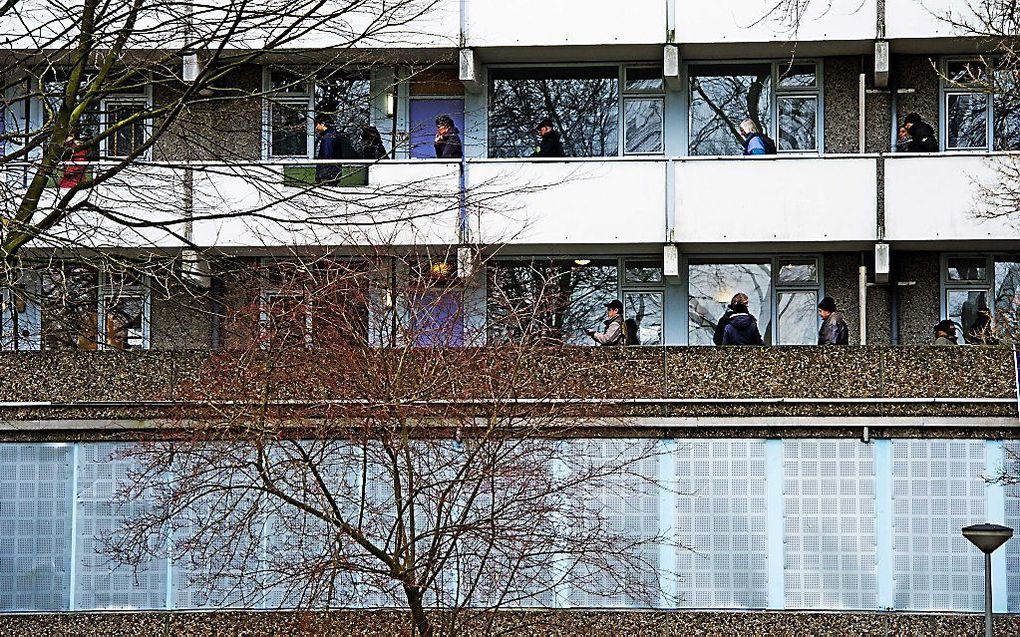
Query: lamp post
point(987, 537)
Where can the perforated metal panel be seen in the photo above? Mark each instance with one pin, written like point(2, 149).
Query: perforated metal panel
point(35, 526)
point(630, 506)
point(720, 516)
point(937, 490)
point(829, 522)
point(1011, 469)
point(99, 582)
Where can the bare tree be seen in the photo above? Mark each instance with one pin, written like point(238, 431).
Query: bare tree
point(304, 469)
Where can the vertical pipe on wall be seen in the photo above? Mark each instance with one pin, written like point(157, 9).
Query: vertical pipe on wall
point(861, 120)
point(862, 300)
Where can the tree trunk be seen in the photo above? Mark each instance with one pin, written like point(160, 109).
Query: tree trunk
point(422, 625)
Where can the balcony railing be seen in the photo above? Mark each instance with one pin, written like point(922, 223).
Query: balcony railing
point(673, 381)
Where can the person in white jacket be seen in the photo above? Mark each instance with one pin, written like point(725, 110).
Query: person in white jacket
point(615, 332)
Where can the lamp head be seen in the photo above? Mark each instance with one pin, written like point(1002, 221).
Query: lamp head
point(987, 537)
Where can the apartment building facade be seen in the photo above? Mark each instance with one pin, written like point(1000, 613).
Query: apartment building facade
point(801, 478)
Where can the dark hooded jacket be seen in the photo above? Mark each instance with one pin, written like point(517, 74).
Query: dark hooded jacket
point(551, 145)
point(448, 145)
point(742, 329)
point(922, 139)
point(332, 145)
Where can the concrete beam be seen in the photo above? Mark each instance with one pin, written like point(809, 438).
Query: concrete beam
point(881, 64)
point(470, 71)
point(671, 67)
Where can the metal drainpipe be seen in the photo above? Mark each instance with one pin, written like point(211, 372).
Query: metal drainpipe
point(894, 303)
point(862, 300)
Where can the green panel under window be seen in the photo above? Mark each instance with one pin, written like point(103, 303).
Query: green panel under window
point(304, 176)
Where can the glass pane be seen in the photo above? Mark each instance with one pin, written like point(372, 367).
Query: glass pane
point(643, 271)
point(798, 271)
point(722, 96)
point(288, 130)
point(965, 120)
point(644, 79)
point(69, 308)
point(962, 308)
point(346, 99)
point(798, 318)
point(966, 269)
point(549, 301)
point(582, 103)
point(288, 82)
point(712, 285)
point(1007, 300)
point(125, 140)
point(966, 72)
point(797, 123)
point(797, 76)
point(1006, 110)
point(645, 309)
point(643, 130)
point(437, 319)
point(125, 313)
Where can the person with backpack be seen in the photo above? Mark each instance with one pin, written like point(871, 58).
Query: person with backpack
point(921, 136)
point(756, 142)
point(615, 331)
point(834, 329)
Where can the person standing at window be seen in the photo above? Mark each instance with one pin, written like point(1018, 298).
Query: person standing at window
point(834, 330)
point(615, 332)
point(371, 143)
point(741, 328)
point(739, 300)
point(756, 142)
point(921, 136)
point(331, 145)
point(448, 145)
point(550, 146)
point(75, 158)
point(945, 333)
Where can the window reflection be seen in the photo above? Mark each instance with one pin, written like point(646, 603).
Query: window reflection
point(645, 309)
point(962, 308)
point(549, 301)
point(797, 128)
point(721, 97)
point(582, 102)
point(712, 285)
point(966, 122)
point(643, 130)
point(1007, 299)
point(797, 313)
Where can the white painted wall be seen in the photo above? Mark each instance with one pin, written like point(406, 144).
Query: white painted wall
point(926, 18)
point(405, 203)
point(698, 21)
point(576, 201)
point(556, 22)
point(939, 197)
point(743, 199)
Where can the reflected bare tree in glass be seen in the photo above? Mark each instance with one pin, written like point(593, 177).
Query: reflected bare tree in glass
point(583, 105)
point(548, 301)
point(722, 96)
point(712, 285)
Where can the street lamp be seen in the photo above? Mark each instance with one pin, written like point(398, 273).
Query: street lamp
point(987, 537)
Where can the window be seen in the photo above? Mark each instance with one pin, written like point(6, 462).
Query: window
point(976, 285)
point(643, 106)
point(782, 292)
point(583, 103)
point(782, 99)
point(123, 321)
point(296, 99)
point(435, 316)
point(981, 107)
point(554, 300)
point(118, 118)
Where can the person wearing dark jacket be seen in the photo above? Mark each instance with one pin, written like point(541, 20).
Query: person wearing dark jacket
point(371, 143)
point(921, 136)
point(945, 333)
point(981, 331)
point(332, 144)
point(739, 300)
point(738, 326)
point(834, 330)
point(448, 145)
point(550, 146)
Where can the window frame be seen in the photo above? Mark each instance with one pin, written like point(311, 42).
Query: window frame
point(987, 285)
point(777, 287)
point(305, 99)
point(817, 91)
point(946, 90)
point(623, 287)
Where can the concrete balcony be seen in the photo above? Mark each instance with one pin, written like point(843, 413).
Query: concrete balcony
point(750, 382)
point(579, 201)
point(764, 21)
point(743, 200)
point(947, 197)
point(564, 22)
